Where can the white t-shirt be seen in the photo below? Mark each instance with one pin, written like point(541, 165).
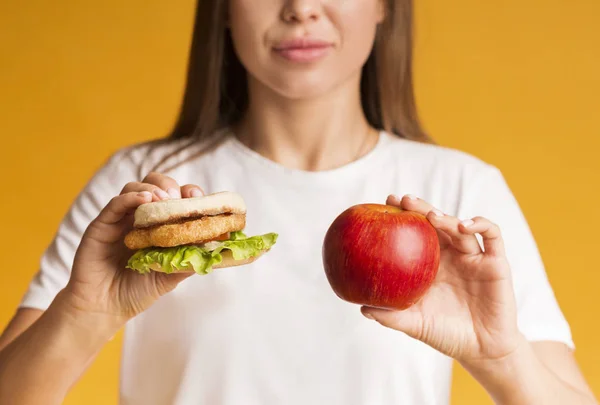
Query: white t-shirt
point(273, 332)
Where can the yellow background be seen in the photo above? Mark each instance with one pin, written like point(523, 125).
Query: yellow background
point(514, 82)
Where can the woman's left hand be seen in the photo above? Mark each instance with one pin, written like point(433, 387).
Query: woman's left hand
point(469, 313)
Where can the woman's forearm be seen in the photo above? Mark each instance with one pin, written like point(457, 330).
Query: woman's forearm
point(43, 363)
point(522, 379)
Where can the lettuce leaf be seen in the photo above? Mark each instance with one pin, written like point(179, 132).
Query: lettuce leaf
point(201, 258)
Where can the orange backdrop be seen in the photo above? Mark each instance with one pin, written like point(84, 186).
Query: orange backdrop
point(514, 82)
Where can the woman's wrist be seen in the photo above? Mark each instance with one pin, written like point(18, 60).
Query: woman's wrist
point(54, 352)
point(96, 326)
point(516, 378)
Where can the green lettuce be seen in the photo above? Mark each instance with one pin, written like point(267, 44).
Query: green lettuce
point(201, 258)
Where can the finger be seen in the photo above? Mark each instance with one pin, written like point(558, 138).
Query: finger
point(409, 321)
point(122, 205)
point(396, 201)
point(191, 190)
point(493, 243)
point(393, 200)
point(166, 183)
point(463, 242)
point(136, 186)
point(411, 203)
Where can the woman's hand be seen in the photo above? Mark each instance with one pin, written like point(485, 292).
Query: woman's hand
point(99, 282)
point(469, 313)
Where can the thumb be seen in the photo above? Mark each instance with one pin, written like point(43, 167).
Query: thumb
point(409, 321)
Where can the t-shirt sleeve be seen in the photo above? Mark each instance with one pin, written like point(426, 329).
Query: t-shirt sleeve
point(56, 261)
point(539, 315)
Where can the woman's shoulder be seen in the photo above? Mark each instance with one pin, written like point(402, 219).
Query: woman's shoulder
point(453, 179)
point(437, 157)
point(161, 155)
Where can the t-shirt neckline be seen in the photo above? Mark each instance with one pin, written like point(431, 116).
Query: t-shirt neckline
point(277, 171)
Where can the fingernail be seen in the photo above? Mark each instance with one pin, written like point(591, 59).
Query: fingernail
point(161, 194)
point(146, 195)
point(174, 193)
point(467, 222)
point(411, 197)
point(368, 315)
point(437, 212)
point(196, 193)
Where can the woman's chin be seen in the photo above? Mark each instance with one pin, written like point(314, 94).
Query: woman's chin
point(300, 95)
point(303, 84)
point(303, 89)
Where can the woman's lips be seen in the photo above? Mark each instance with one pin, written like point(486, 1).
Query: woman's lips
point(303, 50)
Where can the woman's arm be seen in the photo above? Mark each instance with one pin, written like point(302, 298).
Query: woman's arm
point(45, 357)
point(23, 319)
point(42, 363)
point(536, 373)
point(559, 359)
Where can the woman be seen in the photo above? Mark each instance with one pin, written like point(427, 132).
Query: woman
point(304, 107)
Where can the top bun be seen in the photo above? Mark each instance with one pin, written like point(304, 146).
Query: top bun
point(169, 211)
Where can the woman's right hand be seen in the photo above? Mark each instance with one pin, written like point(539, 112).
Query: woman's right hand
point(99, 282)
point(100, 297)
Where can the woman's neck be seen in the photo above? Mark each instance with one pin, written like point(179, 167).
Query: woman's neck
point(313, 134)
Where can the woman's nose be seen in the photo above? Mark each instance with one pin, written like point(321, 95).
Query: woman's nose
point(299, 11)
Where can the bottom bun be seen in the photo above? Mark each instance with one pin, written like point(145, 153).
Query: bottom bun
point(228, 261)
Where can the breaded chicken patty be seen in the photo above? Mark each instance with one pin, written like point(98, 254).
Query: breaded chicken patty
point(185, 232)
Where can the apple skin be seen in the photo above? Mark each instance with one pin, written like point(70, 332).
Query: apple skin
point(381, 256)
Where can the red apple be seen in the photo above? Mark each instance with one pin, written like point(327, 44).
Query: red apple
point(381, 256)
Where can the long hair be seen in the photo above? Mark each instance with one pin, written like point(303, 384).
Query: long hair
point(216, 93)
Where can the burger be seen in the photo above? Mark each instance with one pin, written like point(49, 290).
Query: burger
point(196, 234)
